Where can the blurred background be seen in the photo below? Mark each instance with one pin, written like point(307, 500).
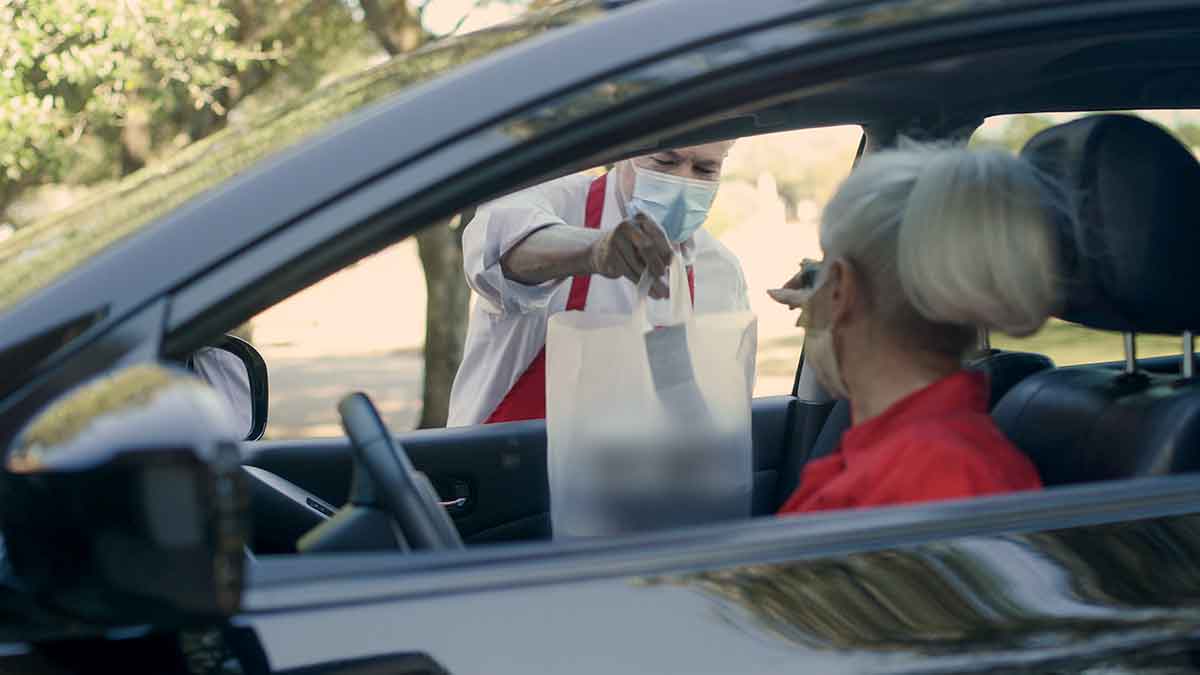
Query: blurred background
point(93, 92)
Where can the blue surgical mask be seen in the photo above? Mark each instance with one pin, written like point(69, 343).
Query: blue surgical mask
point(679, 205)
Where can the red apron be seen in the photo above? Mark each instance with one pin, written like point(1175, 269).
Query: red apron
point(527, 398)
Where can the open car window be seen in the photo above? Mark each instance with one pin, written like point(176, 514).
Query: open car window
point(365, 327)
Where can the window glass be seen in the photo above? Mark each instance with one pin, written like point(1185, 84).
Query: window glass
point(364, 328)
point(1069, 344)
point(1011, 131)
point(1064, 342)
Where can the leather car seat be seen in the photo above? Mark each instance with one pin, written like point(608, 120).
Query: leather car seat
point(1129, 265)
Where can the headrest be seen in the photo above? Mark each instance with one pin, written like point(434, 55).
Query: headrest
point(1132, 259)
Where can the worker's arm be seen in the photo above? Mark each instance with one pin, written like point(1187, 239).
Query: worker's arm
point(553, 252)
point(560, 251)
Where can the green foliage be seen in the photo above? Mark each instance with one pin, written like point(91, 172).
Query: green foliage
point(807, 165)
point(76, 67)
point(42, 251)
point(1070, 344)
point(1010, 131)
point(735, 203)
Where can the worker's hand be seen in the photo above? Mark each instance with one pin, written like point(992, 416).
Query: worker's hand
point(797, 291)
point(631, 247)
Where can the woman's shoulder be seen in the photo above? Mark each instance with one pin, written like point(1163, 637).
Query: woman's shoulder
point(970, 446)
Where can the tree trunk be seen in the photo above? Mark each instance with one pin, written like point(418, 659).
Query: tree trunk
point(397, 29)
point(380, 24)
point(136, 140)
point(446, 305)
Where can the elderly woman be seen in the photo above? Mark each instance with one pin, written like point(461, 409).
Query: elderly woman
point(923, 247)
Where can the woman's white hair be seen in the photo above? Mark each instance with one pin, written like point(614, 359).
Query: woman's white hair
point(962, 237)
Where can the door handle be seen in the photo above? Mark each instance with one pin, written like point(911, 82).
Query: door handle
point(454, 495)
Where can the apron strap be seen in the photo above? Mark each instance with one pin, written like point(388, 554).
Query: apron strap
point(577, 298)
point(527, 398)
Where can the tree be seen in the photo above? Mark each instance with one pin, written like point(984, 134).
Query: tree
point(807, 166)
point(78, 74)
point(1012, 131)
point(398, 27)
point(96, 91)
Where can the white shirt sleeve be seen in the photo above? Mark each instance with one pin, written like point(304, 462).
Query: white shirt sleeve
point(504, 223)
point(226, 373)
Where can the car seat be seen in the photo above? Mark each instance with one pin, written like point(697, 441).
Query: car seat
point(1128, 265)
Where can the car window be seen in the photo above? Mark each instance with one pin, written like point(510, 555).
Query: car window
point(364, 328)
point(1064, 342)
point(361, 329)
point(1069, 344)
point(772, 193)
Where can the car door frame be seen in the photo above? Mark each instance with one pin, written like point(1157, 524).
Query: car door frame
point(323, 240)
point(195, 294)
point(380, 212)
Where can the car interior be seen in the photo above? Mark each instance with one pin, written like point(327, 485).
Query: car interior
point(1127, 263)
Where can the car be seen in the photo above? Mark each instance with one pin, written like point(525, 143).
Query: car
point(128, 500)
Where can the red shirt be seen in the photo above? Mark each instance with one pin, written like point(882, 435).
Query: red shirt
point(936, 443)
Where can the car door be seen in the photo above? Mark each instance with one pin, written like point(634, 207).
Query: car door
point(1021, 581)
point(1100, 578)
point(493, 478)
point(498, 471)
point(1075, 579)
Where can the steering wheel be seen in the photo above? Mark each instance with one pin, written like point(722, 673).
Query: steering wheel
point(406, 492)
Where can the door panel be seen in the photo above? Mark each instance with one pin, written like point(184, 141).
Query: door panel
point(1052, 581)
point(503, 467)
point(499, 468)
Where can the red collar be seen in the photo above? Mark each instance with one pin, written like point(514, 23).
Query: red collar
point(963, 392)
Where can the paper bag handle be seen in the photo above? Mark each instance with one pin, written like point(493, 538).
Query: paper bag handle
point(681, 305)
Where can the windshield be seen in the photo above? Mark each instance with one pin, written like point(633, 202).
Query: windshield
point(44, 251)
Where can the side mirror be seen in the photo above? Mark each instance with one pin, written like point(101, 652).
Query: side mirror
point(123, 502)
point(238, 372)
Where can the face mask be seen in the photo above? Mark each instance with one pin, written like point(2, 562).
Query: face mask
point(818, 342)
point(820, 354)
point(678, 205)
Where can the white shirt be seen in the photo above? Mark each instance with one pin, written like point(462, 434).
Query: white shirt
point(508, 320)
point(226, 373)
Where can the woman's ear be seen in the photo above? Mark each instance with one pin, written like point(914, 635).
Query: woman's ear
point(845, 291)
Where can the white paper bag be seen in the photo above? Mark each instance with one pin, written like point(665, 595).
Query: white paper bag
point(649, 427)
